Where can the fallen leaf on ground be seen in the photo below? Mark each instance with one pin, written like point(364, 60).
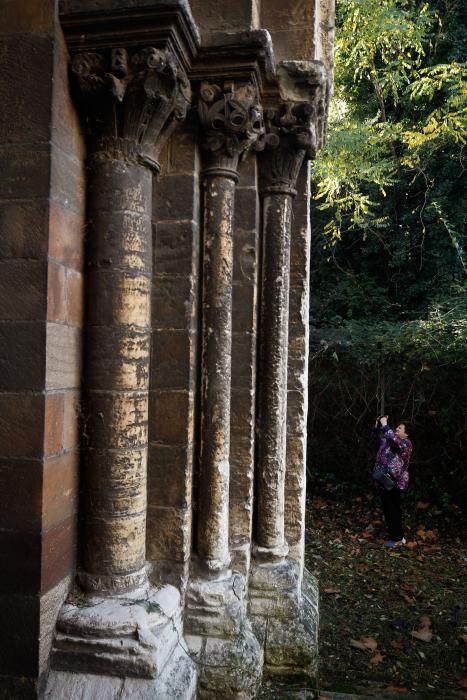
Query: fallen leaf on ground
point(358, 645)
point(411, 545)
point(424, 633)
point(397, 689)
point(421, 505)
point(427, 534)
point(370, 643)
point(364, 644)
point(331, 590)
point(462, 682)
point(376, 659)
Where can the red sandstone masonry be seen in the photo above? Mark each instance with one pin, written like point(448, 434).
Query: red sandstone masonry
point(40, 316)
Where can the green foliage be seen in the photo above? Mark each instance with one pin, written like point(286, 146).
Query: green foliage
point(389, 221)
point(390, 182)
point(446, 84)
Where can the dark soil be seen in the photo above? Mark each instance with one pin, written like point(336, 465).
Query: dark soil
point(379, 598)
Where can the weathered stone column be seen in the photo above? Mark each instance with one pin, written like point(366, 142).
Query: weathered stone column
point(284, 619)
point(213, 534)
point(278, 169)
point(218, 632)
point(231, 124)
point(131, 102)
point(137, 98)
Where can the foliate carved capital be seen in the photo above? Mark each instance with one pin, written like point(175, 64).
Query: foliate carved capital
point(293, 125)
point(290, 137)
point(307, 82)
point(231, 122)
point(131, 101)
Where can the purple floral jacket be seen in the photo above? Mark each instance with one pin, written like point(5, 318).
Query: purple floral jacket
point(394, 454)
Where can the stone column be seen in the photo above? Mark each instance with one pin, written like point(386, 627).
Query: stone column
point(284, 618)
point(219, 634)
point(123, 98)
point(131, 102)
point(213, 518)
point(279, 167)
point(231, 125)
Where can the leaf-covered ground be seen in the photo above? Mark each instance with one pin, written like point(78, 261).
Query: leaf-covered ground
point(392, 623)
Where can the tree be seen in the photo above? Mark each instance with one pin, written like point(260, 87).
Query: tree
point(389, 273)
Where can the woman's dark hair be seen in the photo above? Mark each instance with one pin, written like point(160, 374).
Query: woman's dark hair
point(407, 425)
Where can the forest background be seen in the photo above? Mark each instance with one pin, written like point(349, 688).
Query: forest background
point(389, 283)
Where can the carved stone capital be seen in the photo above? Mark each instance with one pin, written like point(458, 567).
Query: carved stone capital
point(295, 119)
point(291, 136)
point(131, 101)
point(307, 82)
point(231, 122)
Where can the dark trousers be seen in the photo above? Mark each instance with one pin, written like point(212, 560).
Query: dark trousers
point(391, 502)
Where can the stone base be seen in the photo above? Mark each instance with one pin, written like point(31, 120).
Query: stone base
point(177, 682)
point(136, 636)
point(220, 639)
point(284, 614)
point(230, 669)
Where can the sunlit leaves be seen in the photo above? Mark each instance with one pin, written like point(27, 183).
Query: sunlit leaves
point(382, 40)
point(355, 155)
point(383, 43)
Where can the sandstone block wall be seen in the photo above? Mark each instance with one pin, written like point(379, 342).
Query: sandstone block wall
point(41, 316)
point(46, 287)
point(174, 360)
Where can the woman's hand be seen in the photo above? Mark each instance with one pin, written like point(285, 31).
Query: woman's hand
point(384, 420)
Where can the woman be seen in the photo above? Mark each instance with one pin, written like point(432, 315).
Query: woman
point(393, 458)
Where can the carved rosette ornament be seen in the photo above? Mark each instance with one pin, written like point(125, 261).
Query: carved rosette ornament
point(232, 123)
point(132, 101)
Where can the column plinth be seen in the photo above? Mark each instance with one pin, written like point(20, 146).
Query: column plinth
point(121, 626)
